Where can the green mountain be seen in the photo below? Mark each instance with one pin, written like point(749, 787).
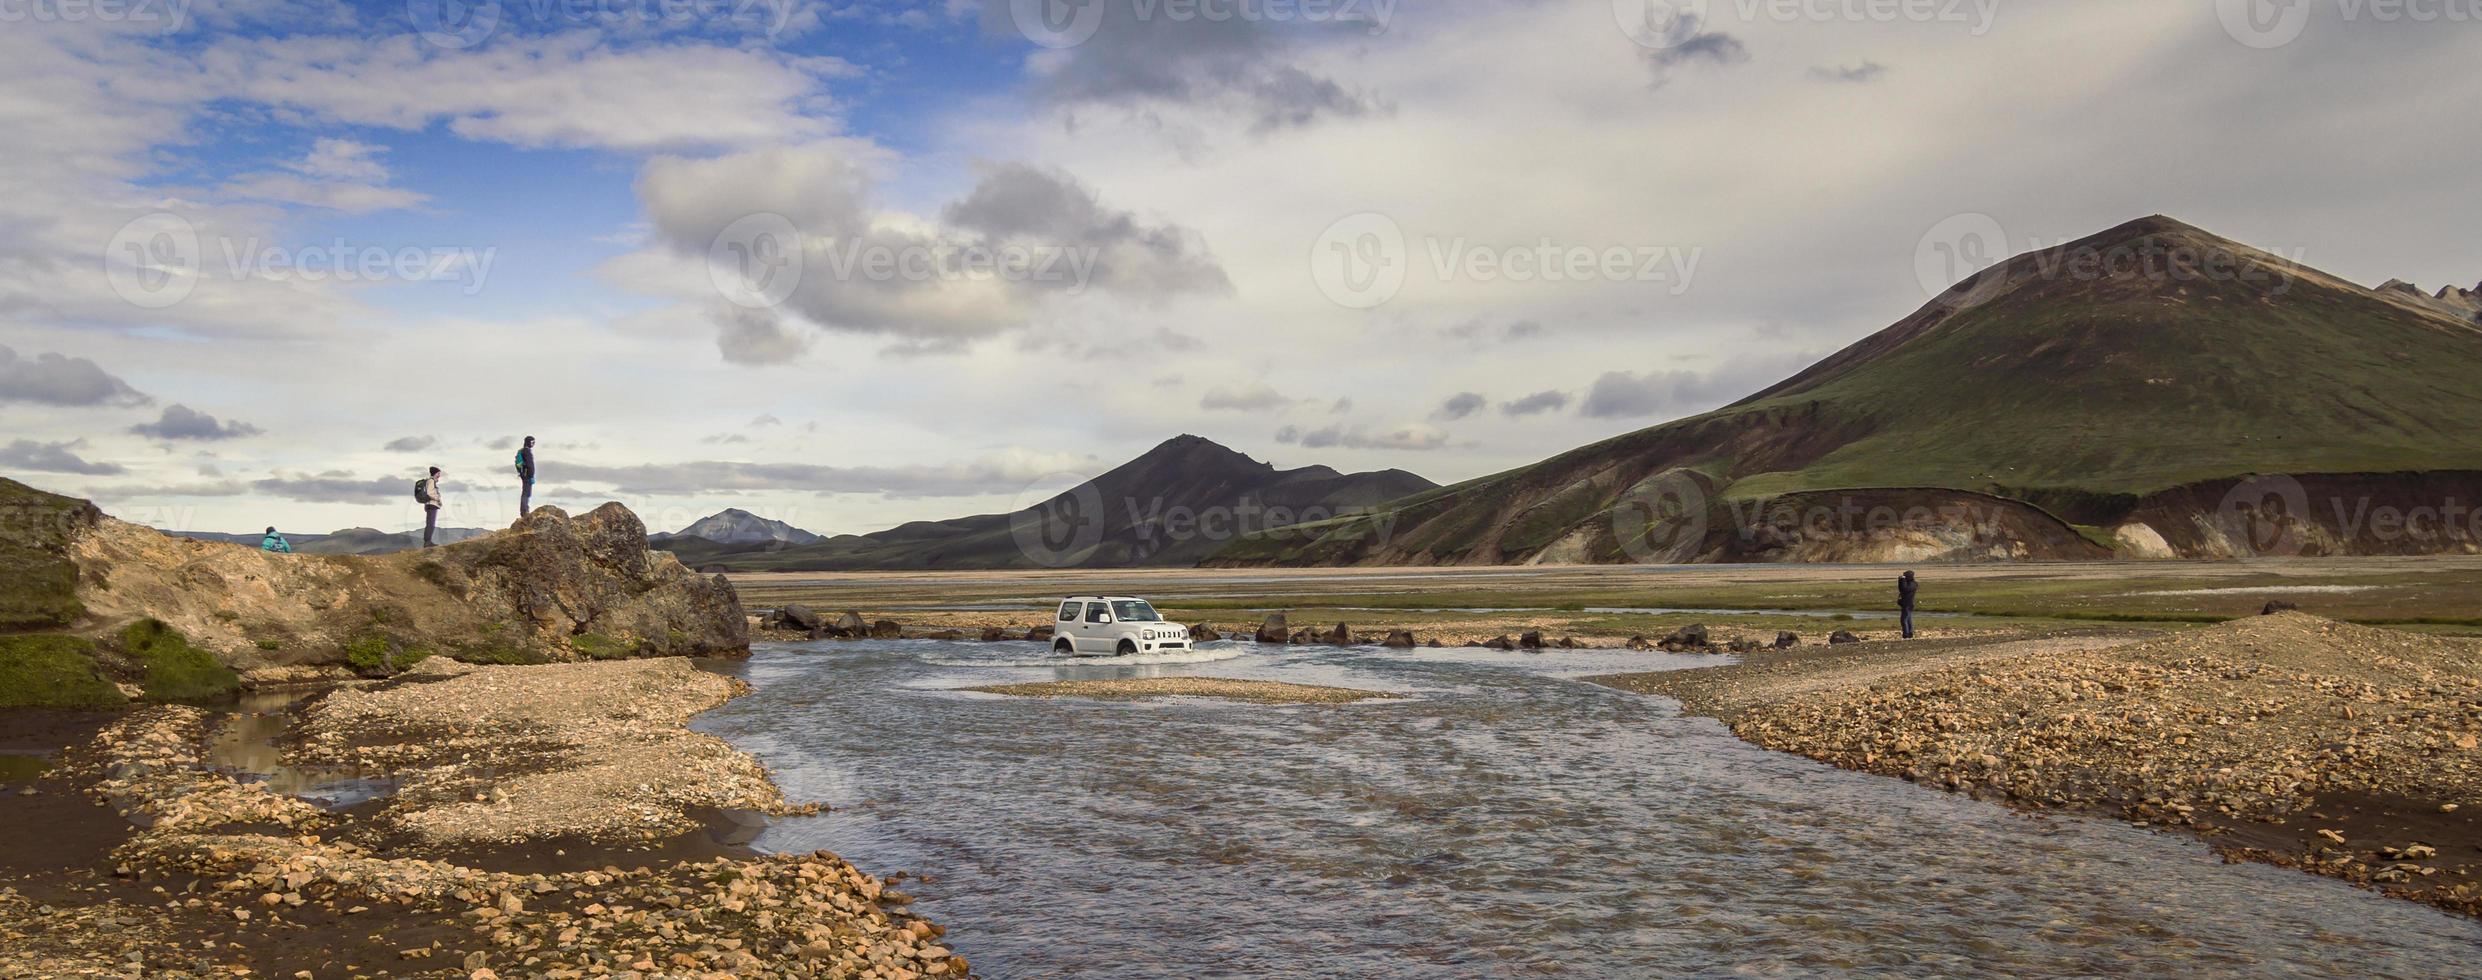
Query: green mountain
point(1176, 505)
point(2094, 399)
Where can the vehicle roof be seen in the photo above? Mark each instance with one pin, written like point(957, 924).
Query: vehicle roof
point(1100, 598)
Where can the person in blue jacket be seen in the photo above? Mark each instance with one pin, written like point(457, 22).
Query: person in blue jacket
point(276, 543)
point(525, 478)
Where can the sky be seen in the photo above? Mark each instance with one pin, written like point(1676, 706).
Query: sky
point(850, 263)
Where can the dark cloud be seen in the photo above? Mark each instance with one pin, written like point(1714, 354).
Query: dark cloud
point(765, 421)
point(1535, 404)
point(1407, 438)
point(411, 444)
point(55, 379)
point(1479, 332)
point(1255, 398)
point(181, 422)
point(54, 457)
point(756, 337)
point(338, 488)
point(1690, 43)
point(1864, 73)
point(1241, 65)
point(967, 480)
point(1020, 237)
point(1459, 406)
point(726, 439)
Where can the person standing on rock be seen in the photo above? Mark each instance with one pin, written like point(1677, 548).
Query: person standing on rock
point(525, 478)
point(428, 491)
point(276, 543)
point(1906, 587)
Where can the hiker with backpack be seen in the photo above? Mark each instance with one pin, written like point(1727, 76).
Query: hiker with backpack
point(275, 543)
point(427, 493)
point(525, 479)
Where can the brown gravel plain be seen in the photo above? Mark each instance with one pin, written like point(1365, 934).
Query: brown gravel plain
point(2344, 750)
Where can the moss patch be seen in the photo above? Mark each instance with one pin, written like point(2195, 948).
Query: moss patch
point(50, 671)
point(596, 646)
point(375, 655)
point(175, 670)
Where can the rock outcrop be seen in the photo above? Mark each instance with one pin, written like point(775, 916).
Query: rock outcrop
point(551, 588)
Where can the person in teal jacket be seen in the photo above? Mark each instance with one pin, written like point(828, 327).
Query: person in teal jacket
point(276, 543)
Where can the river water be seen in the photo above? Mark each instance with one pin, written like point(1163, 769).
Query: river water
point(1503, 819)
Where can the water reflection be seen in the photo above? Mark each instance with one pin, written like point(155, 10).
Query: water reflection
point(247, 741)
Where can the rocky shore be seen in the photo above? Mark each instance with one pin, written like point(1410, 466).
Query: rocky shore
point(2344, 750)
point(550, 821)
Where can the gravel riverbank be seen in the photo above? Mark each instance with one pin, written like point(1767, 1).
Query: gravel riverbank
point(2344, 750)
point(547, 824)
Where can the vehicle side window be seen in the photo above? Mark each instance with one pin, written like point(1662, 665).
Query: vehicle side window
point(1094, 612)
point(1068, 612)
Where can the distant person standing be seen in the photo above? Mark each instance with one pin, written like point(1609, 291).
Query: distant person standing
point(525, 478)
point(276, 543)
point(428, 492)
point(1906, 587)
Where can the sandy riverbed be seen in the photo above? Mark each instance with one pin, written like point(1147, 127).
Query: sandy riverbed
point(547, 825)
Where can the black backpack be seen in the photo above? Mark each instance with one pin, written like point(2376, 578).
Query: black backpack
point(419, 496)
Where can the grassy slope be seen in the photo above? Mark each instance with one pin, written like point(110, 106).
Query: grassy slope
point(2063, 384)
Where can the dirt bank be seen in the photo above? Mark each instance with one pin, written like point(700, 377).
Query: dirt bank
point(2345, 750)
point(173, 868)
point(1255, 692)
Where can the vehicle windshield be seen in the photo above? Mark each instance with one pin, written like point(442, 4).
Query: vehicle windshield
point(1134, 611)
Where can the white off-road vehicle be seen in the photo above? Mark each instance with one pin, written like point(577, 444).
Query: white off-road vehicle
point(1104, 626)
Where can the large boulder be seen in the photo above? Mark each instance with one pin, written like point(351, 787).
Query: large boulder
point(1203, 633)
point(1274, 630)
point(1039, 634)
point(887, 629)
point(550, 588)
point(1842, 637)
point(849, 624)
point(1399, 640)
point(1531, 640)
point(1688, 639)
point(1341, 636)
point(1787, 640)
point(800, 617)
point(2279, 606)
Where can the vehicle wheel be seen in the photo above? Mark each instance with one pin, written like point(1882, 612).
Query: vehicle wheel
point(1128, 648)
point(1064, 648)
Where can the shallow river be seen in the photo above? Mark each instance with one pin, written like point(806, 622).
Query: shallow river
point(1505, 819)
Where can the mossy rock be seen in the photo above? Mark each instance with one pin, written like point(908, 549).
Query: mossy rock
point(498, 656)
point(38, 583)
point(175, 670)
point(52, 671)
